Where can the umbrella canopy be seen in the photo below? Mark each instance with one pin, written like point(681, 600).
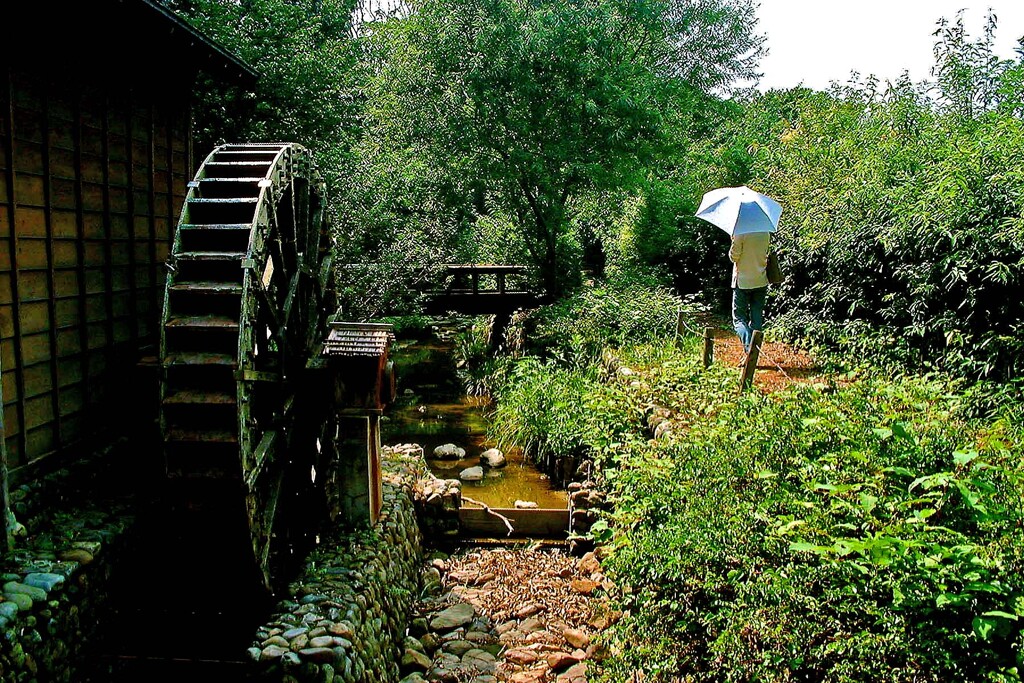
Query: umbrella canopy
point(740, 210)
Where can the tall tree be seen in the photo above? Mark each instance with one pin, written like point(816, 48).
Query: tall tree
point(537, 101)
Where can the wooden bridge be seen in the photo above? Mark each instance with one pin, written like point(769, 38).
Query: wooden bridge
point(477, 289)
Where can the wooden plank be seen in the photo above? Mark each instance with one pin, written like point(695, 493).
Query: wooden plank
point(49, 132)
point(96, 308)
point(27, 156)
point(64, 254)
point(8, 320)
point(66, 284)
point(64, 224)
point(31, 253)
point(38, 403)
point(62, 164)
point(35, 317)
point(68, 313)
point(12, 398)
point(29, 221)
point(95, 232)
point(62, 190)
point(747, 377)
point(108, 336)
point(69, 342)
point(96, 335)
point(34, 286)
point(39, 442)
point(71, 371)
point(72, 399)
point(38, 412)
point(75, 426)
point(7, 354)
point(35, 349)
point(30, 189)
point(535, 523)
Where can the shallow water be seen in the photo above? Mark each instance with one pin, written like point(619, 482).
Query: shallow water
point(432, 411)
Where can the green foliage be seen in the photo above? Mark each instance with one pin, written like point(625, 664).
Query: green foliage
point(542, 410)
point(859, 533)
point(510, 109)
point(555, 404)
point(902, 231)
point(302, 54)
point(613, 312)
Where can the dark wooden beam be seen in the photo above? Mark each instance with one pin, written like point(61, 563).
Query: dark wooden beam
point(12, 203)
point(51, 301)
point(133, 284)
point(80, 265)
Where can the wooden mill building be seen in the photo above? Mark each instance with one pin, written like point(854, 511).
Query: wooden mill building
point(95, 157)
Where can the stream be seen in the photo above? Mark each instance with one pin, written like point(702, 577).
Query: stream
point(432, 409)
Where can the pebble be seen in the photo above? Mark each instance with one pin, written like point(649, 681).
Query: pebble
point(321, 655)
point(22, 601)
point(528, 610)
point(449, 451)
point(44, 581)
point(31, 591)
point(413, 660)
point(472, 473)
point(457, 647)
point(481, 660)
point(492, 457)
point(272, 652)
point(576, 638)
point(456, 615)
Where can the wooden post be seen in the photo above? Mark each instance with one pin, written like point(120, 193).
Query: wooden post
point(709, 347)
point(680, 326)
point(751, 364)
point(5, 542)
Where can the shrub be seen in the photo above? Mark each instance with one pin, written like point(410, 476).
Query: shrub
point(862, 533)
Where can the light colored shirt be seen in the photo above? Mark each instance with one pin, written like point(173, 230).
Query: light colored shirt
point(749, 255)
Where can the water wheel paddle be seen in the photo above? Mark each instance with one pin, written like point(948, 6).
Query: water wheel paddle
point(246, 305)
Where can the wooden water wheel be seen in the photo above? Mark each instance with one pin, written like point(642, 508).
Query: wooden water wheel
point(245, 307)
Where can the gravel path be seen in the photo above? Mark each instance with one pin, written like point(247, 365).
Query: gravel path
point(515, 615)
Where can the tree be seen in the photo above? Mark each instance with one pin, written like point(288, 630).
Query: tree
point(302, 53)
point(529, 103)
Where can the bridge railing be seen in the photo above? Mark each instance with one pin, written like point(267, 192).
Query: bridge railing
point(472, 278)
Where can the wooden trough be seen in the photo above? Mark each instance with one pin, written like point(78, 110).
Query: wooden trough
point(536, 523)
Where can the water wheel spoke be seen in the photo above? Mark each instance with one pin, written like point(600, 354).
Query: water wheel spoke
point(234, 334)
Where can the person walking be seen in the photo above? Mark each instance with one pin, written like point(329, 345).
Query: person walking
point(749, 256)
point(748, 217)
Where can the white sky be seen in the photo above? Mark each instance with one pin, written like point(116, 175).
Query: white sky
point(820, 41)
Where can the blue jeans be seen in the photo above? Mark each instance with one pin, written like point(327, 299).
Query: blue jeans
point(748, 312)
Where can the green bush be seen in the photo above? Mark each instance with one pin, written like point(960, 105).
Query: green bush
point(861, 533)
point(614, 312)
point(554, 412)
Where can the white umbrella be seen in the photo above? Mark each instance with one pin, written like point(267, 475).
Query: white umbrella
point(740, 210)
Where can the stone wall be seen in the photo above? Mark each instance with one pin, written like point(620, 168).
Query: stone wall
point(349, 610)
point(437, 500)
point(344, 621)
point(58, 574)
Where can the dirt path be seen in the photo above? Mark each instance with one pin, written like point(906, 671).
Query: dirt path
point(779, 365)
